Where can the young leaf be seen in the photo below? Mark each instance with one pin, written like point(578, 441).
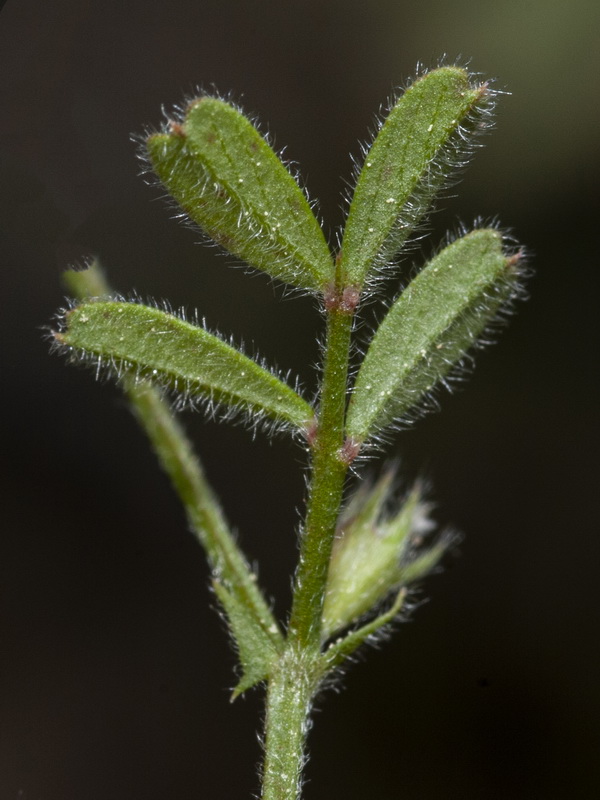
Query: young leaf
point(149, 343)
point(256, 648)
point(430, 327)
point(226, 177)
point(424, 136)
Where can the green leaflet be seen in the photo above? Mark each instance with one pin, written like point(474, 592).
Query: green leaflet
point(255, 646)
point(421, 140)
point(428, 329)
point(226, 177)
point(150, 343)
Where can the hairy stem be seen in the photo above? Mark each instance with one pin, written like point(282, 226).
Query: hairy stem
point(327, 483)
point(296, 676)
point(291, 688)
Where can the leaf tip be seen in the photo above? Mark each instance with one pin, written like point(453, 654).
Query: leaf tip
point(238, 691)
point(176, 129)
point(483, 90)
point(515, 261)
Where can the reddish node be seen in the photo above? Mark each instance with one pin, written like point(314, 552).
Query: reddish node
point(350, 299)
point(349, 450)
point(331, 297)
point(344, 301)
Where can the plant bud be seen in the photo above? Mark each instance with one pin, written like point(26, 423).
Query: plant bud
point(375, 554)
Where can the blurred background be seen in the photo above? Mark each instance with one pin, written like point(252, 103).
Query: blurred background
point(115, 670)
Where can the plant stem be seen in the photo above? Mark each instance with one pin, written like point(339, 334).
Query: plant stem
point(295, 676)
point(327, 484)
point(291, 688)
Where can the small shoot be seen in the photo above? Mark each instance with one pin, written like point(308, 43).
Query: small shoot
point(355, 567)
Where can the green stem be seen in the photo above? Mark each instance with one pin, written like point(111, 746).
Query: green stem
point(327, 484)
point(291, 688)
point(295, 677)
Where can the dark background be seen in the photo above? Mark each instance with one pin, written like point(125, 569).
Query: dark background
point(115, 670)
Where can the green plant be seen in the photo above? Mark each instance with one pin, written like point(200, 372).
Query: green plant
point(356, 564)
